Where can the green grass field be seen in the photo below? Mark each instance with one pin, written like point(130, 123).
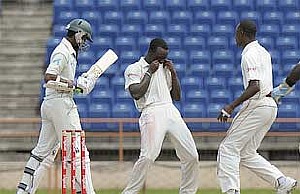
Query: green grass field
point(206, 191)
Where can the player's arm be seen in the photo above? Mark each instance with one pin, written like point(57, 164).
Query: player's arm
point(49, 76)
point(176, 90)
point(250, 91)
point(138, 90)
point(287, 86)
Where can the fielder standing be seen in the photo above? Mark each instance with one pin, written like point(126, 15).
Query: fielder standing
point(58, 110)
point(253, 121)
point(153, 83)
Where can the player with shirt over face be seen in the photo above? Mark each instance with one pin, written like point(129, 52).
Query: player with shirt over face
point(59, 111)
point(153, 84)
point(253, 121)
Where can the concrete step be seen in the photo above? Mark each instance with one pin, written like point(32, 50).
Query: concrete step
point(25, 23)
point(33, 64)
point(17, 59)
point(30, 34)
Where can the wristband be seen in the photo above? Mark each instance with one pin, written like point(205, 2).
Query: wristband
point(225, 113)
point(147, 73)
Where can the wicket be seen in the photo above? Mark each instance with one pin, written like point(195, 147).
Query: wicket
point(73, 133)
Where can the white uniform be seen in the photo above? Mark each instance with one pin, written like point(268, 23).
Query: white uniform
point(58, 112)
point(250, 125)
point(159, 116)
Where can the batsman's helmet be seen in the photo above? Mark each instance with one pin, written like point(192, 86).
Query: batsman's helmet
point(81, 25)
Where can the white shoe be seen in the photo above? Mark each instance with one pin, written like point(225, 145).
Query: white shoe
point(232, 191)
point(287, 186)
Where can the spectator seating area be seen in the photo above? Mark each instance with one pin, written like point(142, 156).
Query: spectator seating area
point(200, 34)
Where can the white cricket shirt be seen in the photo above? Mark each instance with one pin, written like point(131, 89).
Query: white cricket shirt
point(62, 62)
point(256, 65)
point(159, 88)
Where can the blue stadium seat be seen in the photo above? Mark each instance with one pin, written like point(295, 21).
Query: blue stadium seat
point(277, 71)
point(52, 42)
point(125, 43)
point(267, 42)
point(59, 30)
point(152, 5)
point(218, 5)
point(290, 57)
point(199, 69)
point(225, 70)
point(113, 71)
point(271, 30)
point(159, 17)
point(194, 43)
point(174, 5)
point(213, 111)
point(81, 99)
point(200, 30)
point(222, 96)
point(251, 15)
point(87, 57)
point(286, 43)
point(99, 110)
point(182, 17)
point(213, 83)
point(107, 5)
point(93, 17)
point(174, 42)
point(205, 17)
point(235, 84)
point(223, 30)
point(125, 110)
point(189, 83)
point(178, 56)
point(102, 83)
point(222, 56)
point(61, 5)
point(101, 44)
point(243, 5)
point(82, 68)
point(287, 68)
point(117, 83)
point(136, 17)
point(288, 110)
point(200, 57)
point(293, 98)
point(176, 30)
point(278, 80)
point(292, 17)
point(129, 5)
point(113, 17)
point(84, 5)
point(266, 5)
point(287, 6)
point(194, 110)
point(198, 96)
point(198, 5)
point(105, 96)
point(128, 57)
point(276, 57)
point(143, 43)
point(65, 17)
point(123, 96)
point(154, 30)
point(237, 93)
point(133, 30)
point(228, 17)
point(273, 17)
point(180, 69)
point(290, 29)
point(217, 42)
point(108, 30)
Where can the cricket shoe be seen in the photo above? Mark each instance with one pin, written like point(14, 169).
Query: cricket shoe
point(232, 191)
point(287, 186)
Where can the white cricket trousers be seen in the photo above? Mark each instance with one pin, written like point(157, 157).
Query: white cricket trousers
point(240, 146)
point(154, 123)
point(58, 114)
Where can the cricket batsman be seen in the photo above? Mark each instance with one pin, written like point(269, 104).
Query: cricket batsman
point(58, 110)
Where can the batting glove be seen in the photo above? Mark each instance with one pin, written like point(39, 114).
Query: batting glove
point(281, 91)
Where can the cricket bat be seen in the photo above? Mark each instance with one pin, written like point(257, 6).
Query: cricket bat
point(103, 63)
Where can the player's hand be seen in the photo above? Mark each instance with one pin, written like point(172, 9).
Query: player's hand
point(153, 66)
point(225, 113)
point(169, 65)
point(281, 91)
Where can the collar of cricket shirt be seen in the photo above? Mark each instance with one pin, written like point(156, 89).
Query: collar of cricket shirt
point(248, 46)
point(69, 46)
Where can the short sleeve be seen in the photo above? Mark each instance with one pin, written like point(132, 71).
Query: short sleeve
point(251, 67)
point(57, 64)
point(132, 75)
